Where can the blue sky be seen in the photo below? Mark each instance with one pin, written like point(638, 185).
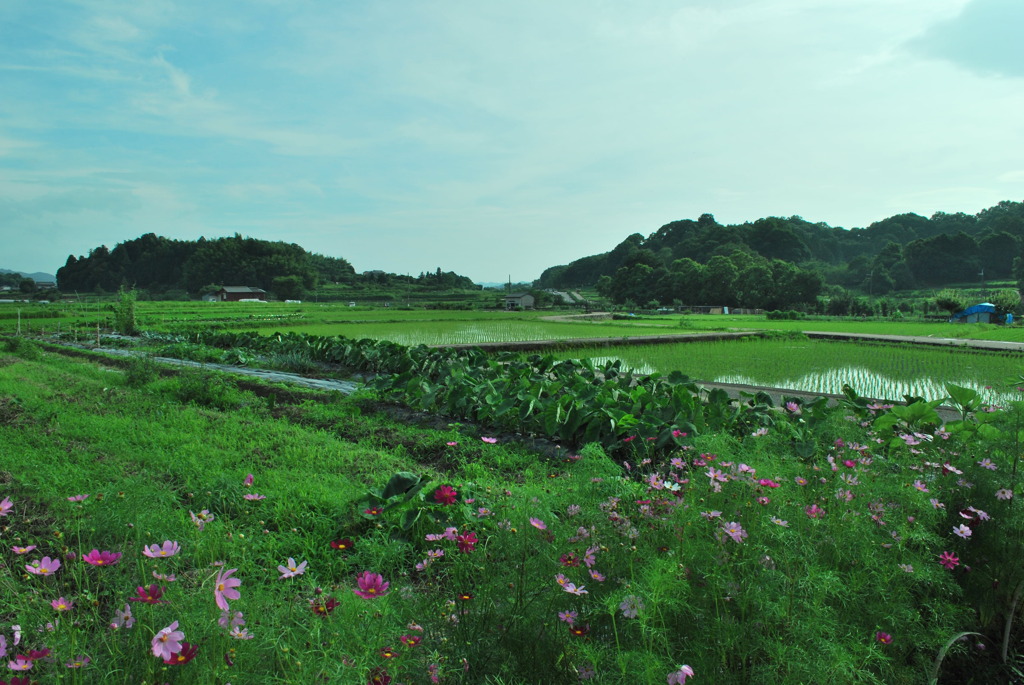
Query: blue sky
point(493, 139)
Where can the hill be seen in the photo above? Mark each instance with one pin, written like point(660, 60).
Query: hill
point(904, 251)
point(159, 265)
point(36, 276)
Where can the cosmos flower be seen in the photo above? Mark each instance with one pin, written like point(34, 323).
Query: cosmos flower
point(61, 604)
point(225, 588)
point(187, 652)
point(371, 585)
point(43, 567)
point(445, 494)
point(292, 569)
point(168, 549)
point(150, 595)
point(104, 558)
point(168, 642)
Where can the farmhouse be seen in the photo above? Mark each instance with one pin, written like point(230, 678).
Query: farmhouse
point(518, 301)
point(985, 312)
point(236, 293)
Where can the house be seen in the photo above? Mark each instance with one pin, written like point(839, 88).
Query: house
point(518, 301)
point(236, 293)
point(981, 313)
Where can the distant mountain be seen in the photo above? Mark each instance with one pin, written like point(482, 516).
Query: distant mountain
point(37, 276)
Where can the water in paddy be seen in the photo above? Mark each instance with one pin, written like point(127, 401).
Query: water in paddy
point(879, 371)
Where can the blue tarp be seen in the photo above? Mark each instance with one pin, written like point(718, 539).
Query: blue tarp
point(984, 312)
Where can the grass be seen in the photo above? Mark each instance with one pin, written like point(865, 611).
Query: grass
point(883, 371)
point(580, 565)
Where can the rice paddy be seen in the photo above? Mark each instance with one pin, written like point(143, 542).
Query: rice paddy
point(873, 370)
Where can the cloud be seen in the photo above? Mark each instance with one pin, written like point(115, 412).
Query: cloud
point(985, 38)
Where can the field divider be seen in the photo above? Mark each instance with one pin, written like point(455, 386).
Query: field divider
point(569, 343)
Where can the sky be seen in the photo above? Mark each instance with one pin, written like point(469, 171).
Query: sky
point(493, 139)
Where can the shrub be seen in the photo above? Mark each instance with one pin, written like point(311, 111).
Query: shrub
point(140, 371)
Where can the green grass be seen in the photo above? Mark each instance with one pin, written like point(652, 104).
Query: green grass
point(884, 371)
point(797, 603)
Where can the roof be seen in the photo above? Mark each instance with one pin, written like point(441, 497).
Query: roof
point(241, 289)
point(519, 295)
point(977, 309)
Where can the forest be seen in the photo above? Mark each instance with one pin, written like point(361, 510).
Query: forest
point(160, 265)
point(705, 262)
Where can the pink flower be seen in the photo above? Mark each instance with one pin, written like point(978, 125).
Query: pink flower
point(20, 664)
point(734, 531)
point(371, 585)
point(150, 595)
point(679, 677)
point(43, 567)
point(202, 518)
point(538, 524)
point(949, 560)
point(292, 570)
point(104, 558)
point(123, 619)
point(568, 616)
point(445, 494)
point(962, 531)
point(253, 497)
point(168, 549)
point(814, 511)
point(78, 498)
point(884, 638)
point(466, 542)
point(452, 443)
point(78, 662)
point(1004, 494)
point(167, 642)
point(5, 506)
point(23, 550)
point(61, 604)
point(490, 441)
point(248, 480)
point(225, 588)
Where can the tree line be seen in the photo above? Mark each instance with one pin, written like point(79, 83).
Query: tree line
point(161, 265)
point(902, 252)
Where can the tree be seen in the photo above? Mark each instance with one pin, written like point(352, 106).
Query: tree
point(27, 285)
point(288, 287)
point(124, 312)
point(1005, 300)
point(719, 278)
point(951, 300)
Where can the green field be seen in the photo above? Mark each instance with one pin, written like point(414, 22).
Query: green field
point(883, 371)
point(498, 565)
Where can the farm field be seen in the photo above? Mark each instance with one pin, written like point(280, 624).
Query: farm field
point(367, 549)
point(433, 326)
point(883, 371)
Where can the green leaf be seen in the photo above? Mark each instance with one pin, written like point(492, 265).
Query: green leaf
point(399, 484)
